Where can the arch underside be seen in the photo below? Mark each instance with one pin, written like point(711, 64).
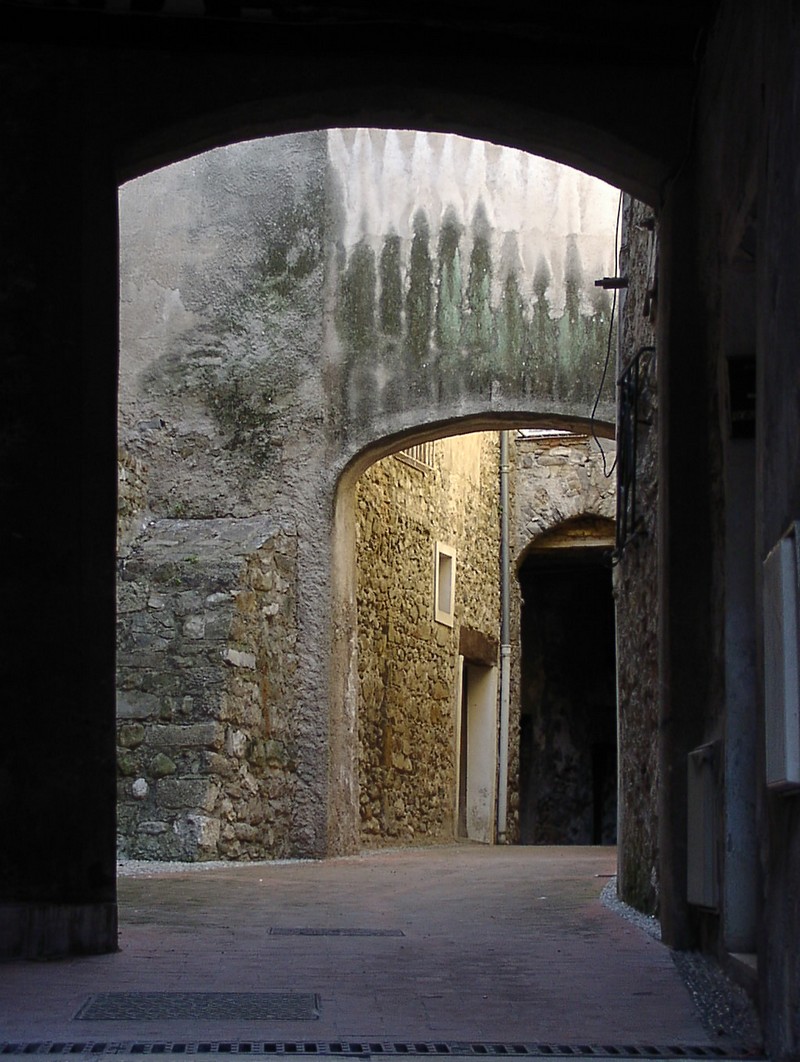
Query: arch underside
point(511, 77)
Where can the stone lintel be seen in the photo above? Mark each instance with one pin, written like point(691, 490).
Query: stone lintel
point(477, 646)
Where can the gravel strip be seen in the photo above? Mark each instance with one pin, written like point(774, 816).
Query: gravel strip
point(150, 868)
point(725, 1009)
point(649, 923)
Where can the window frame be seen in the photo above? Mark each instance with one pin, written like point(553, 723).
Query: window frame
point(444, 564)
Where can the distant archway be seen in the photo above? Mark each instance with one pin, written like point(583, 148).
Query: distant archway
point(568, 720)
point(471, 645)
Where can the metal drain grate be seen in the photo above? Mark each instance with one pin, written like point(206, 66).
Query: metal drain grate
point(199, 1006)
point(369, 1049)
point(279, 931)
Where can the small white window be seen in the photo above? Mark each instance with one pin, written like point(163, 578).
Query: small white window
point(444, 584)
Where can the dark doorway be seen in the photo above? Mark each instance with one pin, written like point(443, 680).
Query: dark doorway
point(568, 726)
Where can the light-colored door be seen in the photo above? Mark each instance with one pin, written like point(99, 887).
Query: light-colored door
point(477, 744)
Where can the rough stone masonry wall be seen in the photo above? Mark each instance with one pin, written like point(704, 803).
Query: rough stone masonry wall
point(560, 478)
point(408, 661)
point(636, 587)
point(206, 750)
point(131, 493)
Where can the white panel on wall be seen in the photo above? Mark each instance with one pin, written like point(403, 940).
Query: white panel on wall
point(781, 677)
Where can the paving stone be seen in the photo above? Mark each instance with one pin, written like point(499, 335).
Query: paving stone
point(500, 945)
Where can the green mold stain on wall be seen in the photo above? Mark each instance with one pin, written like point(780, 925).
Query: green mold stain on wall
point(599, 341)
point(543, 331)
point(450, 293)
point(412, 316)
point(357, 291)
point(390, 304)
point(291, 256)
point(512, 329)
point(246, 409)
point(572, 332)
point(419, 301)
point(478, 330)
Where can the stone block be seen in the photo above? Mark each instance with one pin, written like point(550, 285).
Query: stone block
point(131, 735)
point(218, 625)
point(153, 828)
point(150, 642)
point(194, 627)
point(140, 789)
point(161, 766)
point(198, 834)
point(184, 793)
point(128, 764)
point(194, 735)
point(236, 743)
point(219, 598)
point(134, 704)
point(141, 659)
point(239, 659)
point(218, 764)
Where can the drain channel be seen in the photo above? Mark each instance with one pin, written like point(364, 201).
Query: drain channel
point(368, 1049)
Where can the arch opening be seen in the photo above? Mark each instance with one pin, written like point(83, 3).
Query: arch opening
point(290, 310)
point(422, 697)
point(568, 724)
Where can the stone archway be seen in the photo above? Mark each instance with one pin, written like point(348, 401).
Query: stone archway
point(339, 310)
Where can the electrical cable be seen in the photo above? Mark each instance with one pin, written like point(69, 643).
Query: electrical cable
point(608, 472)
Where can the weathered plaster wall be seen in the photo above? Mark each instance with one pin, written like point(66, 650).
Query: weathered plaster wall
point(464, 275)
point(636, 576)
point(221, 410)
point(286, 304)
point(221, 270)
point(408, 662)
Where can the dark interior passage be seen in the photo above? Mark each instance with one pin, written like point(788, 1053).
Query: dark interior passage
point(568, 734)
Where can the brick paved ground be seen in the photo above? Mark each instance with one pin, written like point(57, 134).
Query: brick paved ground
point(497, 944)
